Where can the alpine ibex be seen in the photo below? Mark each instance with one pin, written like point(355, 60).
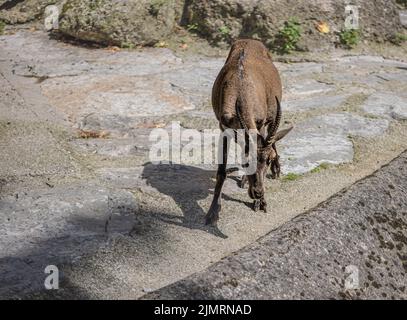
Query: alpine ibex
point(246, 95)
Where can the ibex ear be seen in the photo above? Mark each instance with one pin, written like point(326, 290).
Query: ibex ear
point(281, 134)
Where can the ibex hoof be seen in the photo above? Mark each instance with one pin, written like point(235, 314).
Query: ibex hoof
point(256, 205)
point(260, 204)
point(263, 206)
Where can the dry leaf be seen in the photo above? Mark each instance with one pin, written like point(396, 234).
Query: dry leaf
point(113, 49)
point(160, 125)
point(323, 27)
point(84, 134)
point(161, 44)
point(150, 125)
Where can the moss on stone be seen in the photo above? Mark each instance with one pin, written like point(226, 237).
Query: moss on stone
point(2, 27)
point(322, 166)
point(125, 23)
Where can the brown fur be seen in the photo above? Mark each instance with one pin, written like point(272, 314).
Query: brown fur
point(246, 95)
point(255, 87)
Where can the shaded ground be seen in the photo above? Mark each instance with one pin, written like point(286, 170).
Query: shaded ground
point(119, 227)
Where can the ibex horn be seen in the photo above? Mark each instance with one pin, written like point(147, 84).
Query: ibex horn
point(271, 138)
point(243, 124)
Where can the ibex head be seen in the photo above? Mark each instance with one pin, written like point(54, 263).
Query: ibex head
point(266, 155)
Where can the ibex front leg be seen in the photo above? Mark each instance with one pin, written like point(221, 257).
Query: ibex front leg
point(213, 214)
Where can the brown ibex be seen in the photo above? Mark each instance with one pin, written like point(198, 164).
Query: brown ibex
point(246, 95)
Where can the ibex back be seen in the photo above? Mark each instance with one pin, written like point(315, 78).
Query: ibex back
point(246, 95)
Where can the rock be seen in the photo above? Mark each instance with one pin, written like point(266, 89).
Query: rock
point(318, 102)
point(300, 69)
point(115, 103)
point(324, 139)
point(268, 18)
point(195, 78)
point(387, 104)
point(403, 17)
point(57, 226)
point(124, 23)
point(398, 77)
point(23, 11)
point(307, 87)
point(113, 147)
point(366, 60)
point(145, 22)
point(68, 212)
point(220, 20)
point(225, 20)
point(358, 83)
point(352, 246)
point(306, 151)
point(348, 124)
point(93, 87)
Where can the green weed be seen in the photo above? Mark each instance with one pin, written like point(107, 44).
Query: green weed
point(291, 176)
point(349, 38)
point(288, 36)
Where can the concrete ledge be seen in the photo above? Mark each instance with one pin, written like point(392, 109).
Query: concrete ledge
point(353, 246)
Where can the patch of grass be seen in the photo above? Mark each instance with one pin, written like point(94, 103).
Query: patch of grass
point(349, 38)
point(95, 4)
point(155, 7)
point(398, 39)
point(224, 32)
point(371, 116)
point(291, 177)
point(288, 36)
point(192, 27)
point(322, 166)
point(2, 27)
point(402, 2)
point(127, 45)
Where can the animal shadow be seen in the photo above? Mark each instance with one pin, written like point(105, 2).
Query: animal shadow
point(187, 185)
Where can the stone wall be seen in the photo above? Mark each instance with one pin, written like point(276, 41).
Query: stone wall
point(145, 22)
point(23, 11)
point(225, 20)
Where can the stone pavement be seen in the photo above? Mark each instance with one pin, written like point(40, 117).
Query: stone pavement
point(77, 189)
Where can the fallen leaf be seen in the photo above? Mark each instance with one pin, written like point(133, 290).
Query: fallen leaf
point(161, 44)
point(151, 124)
point(113, 49)
point(160, 125)
point(85, 134)
point(323, 27)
